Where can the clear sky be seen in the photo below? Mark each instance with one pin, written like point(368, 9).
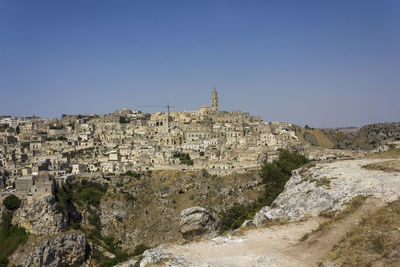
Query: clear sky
point(321, 63)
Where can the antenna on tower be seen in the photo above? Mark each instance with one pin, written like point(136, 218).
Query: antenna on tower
point(168, 106)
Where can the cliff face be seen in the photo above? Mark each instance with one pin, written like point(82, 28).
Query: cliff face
point(365, 138)
point(40, 216)
point(61, 250)
point(149, 210)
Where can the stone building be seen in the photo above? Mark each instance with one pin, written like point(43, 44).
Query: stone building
point(36, 186)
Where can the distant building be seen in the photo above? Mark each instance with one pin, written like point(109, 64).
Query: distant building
point(36, 186)
point(78, 169)
point(214, 100)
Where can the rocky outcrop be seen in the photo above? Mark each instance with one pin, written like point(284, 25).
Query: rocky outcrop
point(329, 186)
point(157, 255)
point(40, 216)
point(64, 250)
point(197, 221)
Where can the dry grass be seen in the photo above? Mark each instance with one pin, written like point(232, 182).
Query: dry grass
point(374, 242)
point(323, 181)
point(386, 166)
point(320, 137)
point(242, 230)
point(333, 216)
point(389, 154)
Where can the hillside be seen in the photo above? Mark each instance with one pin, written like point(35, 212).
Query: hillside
point(364, 138)
point(116, 215)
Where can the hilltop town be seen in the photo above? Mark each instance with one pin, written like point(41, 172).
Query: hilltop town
point(127, 140)
point(107, 187)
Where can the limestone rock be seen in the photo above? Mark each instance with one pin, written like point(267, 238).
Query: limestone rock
point(40, 216)
point(157, 255)
point(64, 250)
point(197, 221)
point(329, 186)
point(248, 223)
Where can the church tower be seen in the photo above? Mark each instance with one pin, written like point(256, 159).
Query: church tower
point(214, 100)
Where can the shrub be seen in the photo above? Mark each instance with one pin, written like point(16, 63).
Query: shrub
point(11, 237)
point(90, 192)
point(205, 173)
point(274, 177)
point(12, 202)
point(164, 189)
point(129, 197)
point(235, 216)
point(139, 249)
point(131, 174)
point(94, 220)
point(25, 145)
point(184, 158)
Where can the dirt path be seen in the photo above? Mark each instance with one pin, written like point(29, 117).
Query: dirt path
point(316, 248)
point(273, 246)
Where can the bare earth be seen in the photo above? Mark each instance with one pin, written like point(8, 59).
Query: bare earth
point(273, 246)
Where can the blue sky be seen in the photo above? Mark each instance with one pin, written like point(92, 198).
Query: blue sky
point(321, 63)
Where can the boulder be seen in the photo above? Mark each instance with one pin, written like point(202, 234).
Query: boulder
point(197, 221)
point(64, 250)
point(157, 255)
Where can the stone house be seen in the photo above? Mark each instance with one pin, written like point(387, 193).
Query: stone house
point(36, 186)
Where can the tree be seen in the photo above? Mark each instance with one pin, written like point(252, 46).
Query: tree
point(12, 202)
point(17, 130)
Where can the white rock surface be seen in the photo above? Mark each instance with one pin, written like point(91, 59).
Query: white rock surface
point(305, 194)
point(40, 216)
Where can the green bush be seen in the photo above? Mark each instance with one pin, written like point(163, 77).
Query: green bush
point(274, 177)
point(94, 220)
point(90, 192)
point(129, 197)
point(25, 145)
point(10, 239)
point(131, 174)
point(12, 202)
point(235, 216)
point(205, 173)
point(139, 249)
point(183, 157)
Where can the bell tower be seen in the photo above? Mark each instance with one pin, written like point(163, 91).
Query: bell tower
point(214, 100)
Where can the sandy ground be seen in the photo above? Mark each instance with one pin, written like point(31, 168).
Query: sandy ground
point(273, 246)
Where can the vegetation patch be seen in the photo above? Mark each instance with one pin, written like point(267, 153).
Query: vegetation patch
point(184, 158)
point(89, 193)
point(386, 166)
point(12, 202)
point(389, 154)
point(374, 242)
point(333, 216)
point(131, 174)
point(11, 236)
point(274, 177)
point(323, 182)
point(81, 153)
point(25, 145)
